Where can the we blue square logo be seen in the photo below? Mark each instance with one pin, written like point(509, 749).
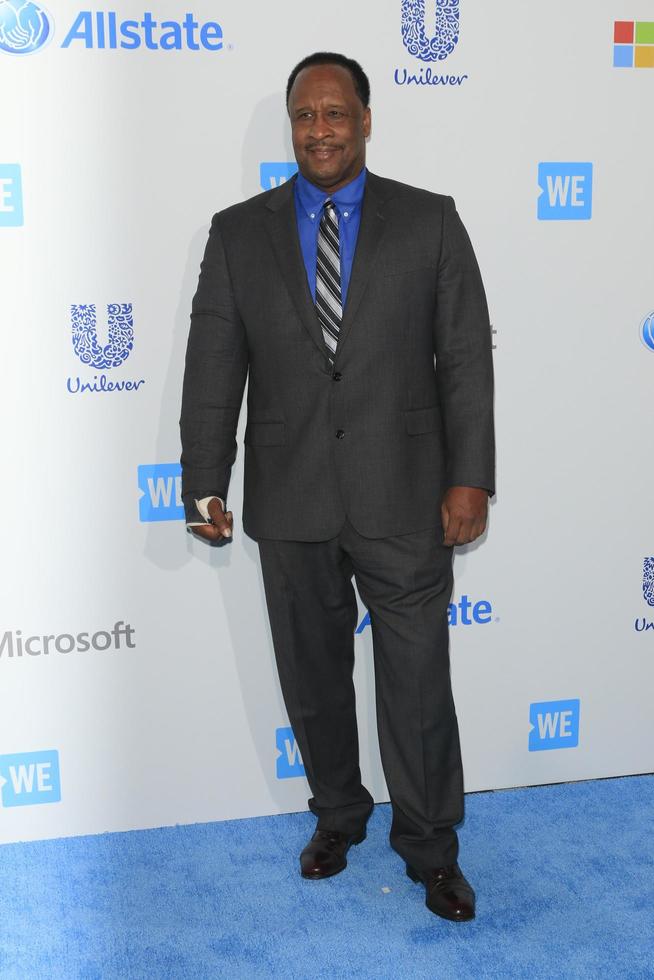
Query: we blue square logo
point(30, 777)
point(289, 760)
point(161, 492)
point(275, 174)
point(566, 191)
point(554, 725)
point(11, 196)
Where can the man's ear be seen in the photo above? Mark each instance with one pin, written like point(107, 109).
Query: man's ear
point(367, 122)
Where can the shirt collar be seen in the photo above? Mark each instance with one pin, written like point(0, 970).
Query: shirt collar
point(346, 200)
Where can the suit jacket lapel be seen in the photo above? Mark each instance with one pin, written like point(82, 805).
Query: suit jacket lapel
point(282, 228)
point(371, 232)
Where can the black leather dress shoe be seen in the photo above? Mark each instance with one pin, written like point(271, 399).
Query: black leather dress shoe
point(324, 855)
point(448, 893)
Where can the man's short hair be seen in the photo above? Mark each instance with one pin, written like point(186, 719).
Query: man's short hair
point(359, 77)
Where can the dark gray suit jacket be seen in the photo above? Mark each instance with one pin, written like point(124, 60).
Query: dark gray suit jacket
point(405, 412)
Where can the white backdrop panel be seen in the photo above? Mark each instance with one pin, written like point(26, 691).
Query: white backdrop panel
point(124, 157)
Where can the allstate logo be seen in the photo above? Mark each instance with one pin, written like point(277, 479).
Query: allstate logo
point(648, 581)
point(85, 336)
point(414, 33)
point(24, 26)
point(647, 331)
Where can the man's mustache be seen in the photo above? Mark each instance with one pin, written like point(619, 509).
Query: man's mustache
point(323, 146)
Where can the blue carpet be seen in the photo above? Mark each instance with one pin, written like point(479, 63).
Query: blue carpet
point(564, 877)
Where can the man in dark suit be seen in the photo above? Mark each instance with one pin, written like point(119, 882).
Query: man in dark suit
point(355, 306)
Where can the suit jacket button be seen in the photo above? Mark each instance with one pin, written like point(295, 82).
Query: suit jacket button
point(337, 376)
point(340, 434)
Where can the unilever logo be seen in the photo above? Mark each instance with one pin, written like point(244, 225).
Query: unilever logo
point(85, 335)
point(642, 624)
point(92, 353)
point(414, 33)
point(648, 581)
point(426, 46)
point(646, 330)
point(24, 26)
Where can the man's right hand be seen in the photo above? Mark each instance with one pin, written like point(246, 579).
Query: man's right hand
point(221, 523)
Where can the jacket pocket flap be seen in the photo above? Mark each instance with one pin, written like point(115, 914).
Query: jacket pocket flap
point(390, 272)
point(265, 434)
point(421, 420)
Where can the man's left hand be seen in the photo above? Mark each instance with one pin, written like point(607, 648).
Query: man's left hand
point(464, 512)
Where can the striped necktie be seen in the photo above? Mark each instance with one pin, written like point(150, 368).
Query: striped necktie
point(328, 279)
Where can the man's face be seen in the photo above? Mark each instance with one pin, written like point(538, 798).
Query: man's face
point(329, 126)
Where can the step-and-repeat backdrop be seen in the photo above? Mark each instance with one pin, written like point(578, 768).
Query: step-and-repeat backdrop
point(137, 685)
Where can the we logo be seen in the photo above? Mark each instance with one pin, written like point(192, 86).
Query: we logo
point(566, 191)
point(555, 725)
point(289, 760)
point(275, 174)
point(11, 196)
point(30, 777)
point(161, 492)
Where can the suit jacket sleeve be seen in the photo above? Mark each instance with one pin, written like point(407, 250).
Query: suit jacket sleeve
point(214, 378)
point(464, 365)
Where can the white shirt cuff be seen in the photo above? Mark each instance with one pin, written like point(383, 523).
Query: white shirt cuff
point(203, 508)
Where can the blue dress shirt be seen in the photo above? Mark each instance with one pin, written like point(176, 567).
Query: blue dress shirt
point(309, 202)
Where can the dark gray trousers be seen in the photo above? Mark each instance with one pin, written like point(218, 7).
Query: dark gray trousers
point(406, 583)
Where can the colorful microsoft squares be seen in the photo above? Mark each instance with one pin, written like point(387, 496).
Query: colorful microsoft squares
point(623, 32)
point(633, 44)
point(623, 56)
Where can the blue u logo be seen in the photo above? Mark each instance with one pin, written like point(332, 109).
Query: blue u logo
point(85, 336)
point(648, 581)
point(414, 33)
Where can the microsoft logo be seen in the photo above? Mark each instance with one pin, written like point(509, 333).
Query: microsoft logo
point(633, 44)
